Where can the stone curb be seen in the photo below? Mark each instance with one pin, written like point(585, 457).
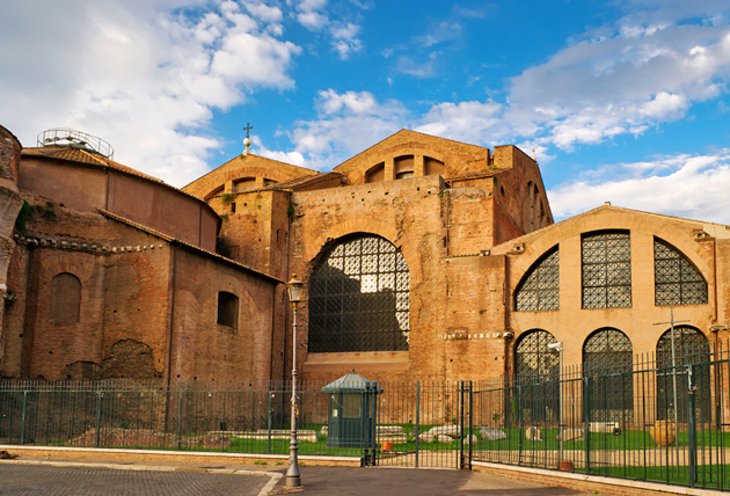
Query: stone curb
point(53, 451)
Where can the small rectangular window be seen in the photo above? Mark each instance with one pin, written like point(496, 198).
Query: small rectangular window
point(227, 309)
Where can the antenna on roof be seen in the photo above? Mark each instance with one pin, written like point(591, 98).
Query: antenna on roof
point(247, 139)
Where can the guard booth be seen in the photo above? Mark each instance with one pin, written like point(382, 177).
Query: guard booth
point(353, 412)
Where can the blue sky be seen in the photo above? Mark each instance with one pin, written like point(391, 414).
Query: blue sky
point(624, 101)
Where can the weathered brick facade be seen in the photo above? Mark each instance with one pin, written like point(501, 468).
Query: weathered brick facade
point(472, 226)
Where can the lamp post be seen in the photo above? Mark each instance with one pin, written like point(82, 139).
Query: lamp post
point(293, 478)
point(558, 347)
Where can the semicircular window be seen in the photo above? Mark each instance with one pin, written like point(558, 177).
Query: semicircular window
point(359, 298)
point(540, 287)
point(676, 280)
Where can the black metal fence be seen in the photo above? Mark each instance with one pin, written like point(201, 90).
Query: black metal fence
point(646, 422)
point(651, 421)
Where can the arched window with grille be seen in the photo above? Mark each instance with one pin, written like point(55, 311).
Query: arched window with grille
point(537, 370)
point(359, 297)
point(65, 299)
point(691, 352)
point(539, 289)
point(676, 280)
point(608, 365)
point(606, 264)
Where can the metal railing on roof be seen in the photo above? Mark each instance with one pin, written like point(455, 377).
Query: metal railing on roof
point(75, 139)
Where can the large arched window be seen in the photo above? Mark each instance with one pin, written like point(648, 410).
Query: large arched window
point(540, 287)
point(607, 363)
point(359, 298)
point(65, 299)
point(606, 263)
point(537, 370)
point(676, 280)
point(691, 354)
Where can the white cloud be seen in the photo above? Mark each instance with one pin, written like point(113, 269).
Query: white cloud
point(331, 102)
point(424, 68)
point(142, 74)
point(266, 13)
point(690, 186)
point(638, 77)
point(312, 20)
point(347, 123)
point(345, 39)
point(344, 34)
point(473, 122)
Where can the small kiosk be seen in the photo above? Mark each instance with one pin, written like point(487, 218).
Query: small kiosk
point(353, 412)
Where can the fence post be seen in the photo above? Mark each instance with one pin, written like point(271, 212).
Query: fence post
point(99, 396)
point(520, 435)
point(471, 422)
point(587, 422)
point(417, 428)
point(179, 419)
point(23, 416)
point(268, 423)
point(691, 429)
point(461, 425)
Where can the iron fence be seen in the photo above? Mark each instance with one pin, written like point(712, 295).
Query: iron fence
point(648, 421)
point(644, 420)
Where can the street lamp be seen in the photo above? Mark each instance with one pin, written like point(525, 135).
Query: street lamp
point(293, 478)
point(558, 347)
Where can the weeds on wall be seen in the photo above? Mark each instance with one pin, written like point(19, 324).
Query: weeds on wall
point(30, 212)
point(223, 247)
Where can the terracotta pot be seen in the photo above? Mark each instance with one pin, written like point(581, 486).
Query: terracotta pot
point(386, 446)
point(663, 432)
point(566, 466)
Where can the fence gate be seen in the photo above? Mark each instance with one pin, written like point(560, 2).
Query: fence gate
point(425, 425)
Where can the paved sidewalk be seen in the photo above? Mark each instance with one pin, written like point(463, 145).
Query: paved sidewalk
point(52, 480)
point(346, 481)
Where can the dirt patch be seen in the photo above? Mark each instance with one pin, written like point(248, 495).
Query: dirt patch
point(146, 438)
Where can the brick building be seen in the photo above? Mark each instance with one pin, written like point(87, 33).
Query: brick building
point(422, 258)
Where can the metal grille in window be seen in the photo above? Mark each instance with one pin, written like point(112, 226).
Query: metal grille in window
point(359, 298)
point(537, 377)
point(606, 270)
point(540, 288)
point(691, 353)
point(676, 280)
point(607, 364)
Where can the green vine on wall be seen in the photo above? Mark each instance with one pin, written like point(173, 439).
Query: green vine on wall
point(30, 212)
